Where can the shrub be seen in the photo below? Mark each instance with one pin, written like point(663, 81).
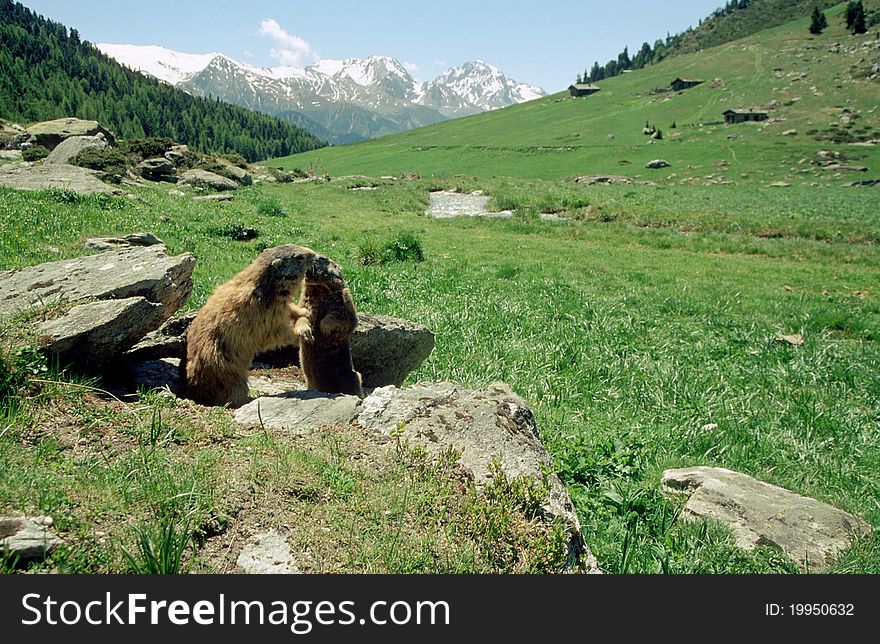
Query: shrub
point(271, 207)
point(404, 247)
point(149, 148)
point(108, 160)
point(236, 232)
point(286, 176)
point(34, 153)
point(235, 159)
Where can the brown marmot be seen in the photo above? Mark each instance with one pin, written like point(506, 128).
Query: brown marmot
point(250, 313)
point(326, 359)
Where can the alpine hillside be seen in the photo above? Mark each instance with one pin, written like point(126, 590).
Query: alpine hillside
point(819, 93)
point(48, 72)
point(341, 100)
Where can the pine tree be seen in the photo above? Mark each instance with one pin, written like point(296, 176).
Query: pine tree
point(855, 17)
point(818, 22)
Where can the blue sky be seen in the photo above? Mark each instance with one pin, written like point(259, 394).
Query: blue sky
point(545, 43)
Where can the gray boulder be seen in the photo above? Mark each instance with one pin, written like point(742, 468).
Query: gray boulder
point(134, 239)
point(89, 336)
point(157, 170)
point(72, 146)
point(657, 164)
point(178, 154)
point(239, 174)
point(128, 272)
point(50, 133)
point(205, 179)
point(808, 531)
point(603, 179)
point(24, 540)
point(24, 176)
point(386, 350)
point(299, 412)
point(267, 554)
point(168, 341)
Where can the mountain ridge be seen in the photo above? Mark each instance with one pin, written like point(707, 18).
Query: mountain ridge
point(376, 95)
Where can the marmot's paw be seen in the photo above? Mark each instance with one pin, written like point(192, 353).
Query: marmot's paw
point(306, 335)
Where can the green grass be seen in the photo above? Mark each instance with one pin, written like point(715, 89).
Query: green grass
point(642, 328)
point(555, 137)
point(629, 335)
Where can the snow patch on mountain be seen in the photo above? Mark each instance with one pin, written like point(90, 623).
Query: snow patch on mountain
point(163, 63)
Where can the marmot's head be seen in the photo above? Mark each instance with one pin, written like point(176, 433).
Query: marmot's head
point(325, 272)
point(282, 270)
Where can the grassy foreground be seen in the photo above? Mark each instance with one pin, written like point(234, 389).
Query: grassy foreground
point(644, 334)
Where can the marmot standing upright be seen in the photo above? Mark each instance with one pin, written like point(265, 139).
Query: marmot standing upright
point(326, 359)
point(250, 313)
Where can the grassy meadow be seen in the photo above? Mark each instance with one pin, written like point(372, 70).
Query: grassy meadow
point(644, 328)
point(644, 334)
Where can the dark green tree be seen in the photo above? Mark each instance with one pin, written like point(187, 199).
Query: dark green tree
point(855, 17)
point(818, 22)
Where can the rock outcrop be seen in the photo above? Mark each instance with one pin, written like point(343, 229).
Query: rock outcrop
point(110, 243)
point(386, 350)
point(73, 145)
point(128, 272)
point(23, 540)
point(50, 133)
point(204, 179)
point(656, 164)
point(808, 531)
point(299, 412)
point(159, 169)
point(89, 336)
point(24, 176)
point(168, 341)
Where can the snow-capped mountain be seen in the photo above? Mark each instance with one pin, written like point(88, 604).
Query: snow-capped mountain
point(484, 85)
point(342, 100)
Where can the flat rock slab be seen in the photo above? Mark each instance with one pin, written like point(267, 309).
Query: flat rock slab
point(92, 335)
point(809, 532)
point(23, 176)
point(267, 554)
point(128, 272)
point(24, 540)
point(70, 147)
point(603, 179)
point(386, 350)
point(446, 205)
point(204, 179)
point(50, 133)
point(299, 412)
point(168, 341)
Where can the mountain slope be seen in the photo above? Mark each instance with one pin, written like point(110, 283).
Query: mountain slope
point(804, 81)
point(351, 99)
point(47, 72)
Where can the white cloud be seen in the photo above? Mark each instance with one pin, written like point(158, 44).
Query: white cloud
point(412, 68)
point(289, 49)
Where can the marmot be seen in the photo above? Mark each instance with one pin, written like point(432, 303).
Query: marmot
point(250, 313)
point(326, 358)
